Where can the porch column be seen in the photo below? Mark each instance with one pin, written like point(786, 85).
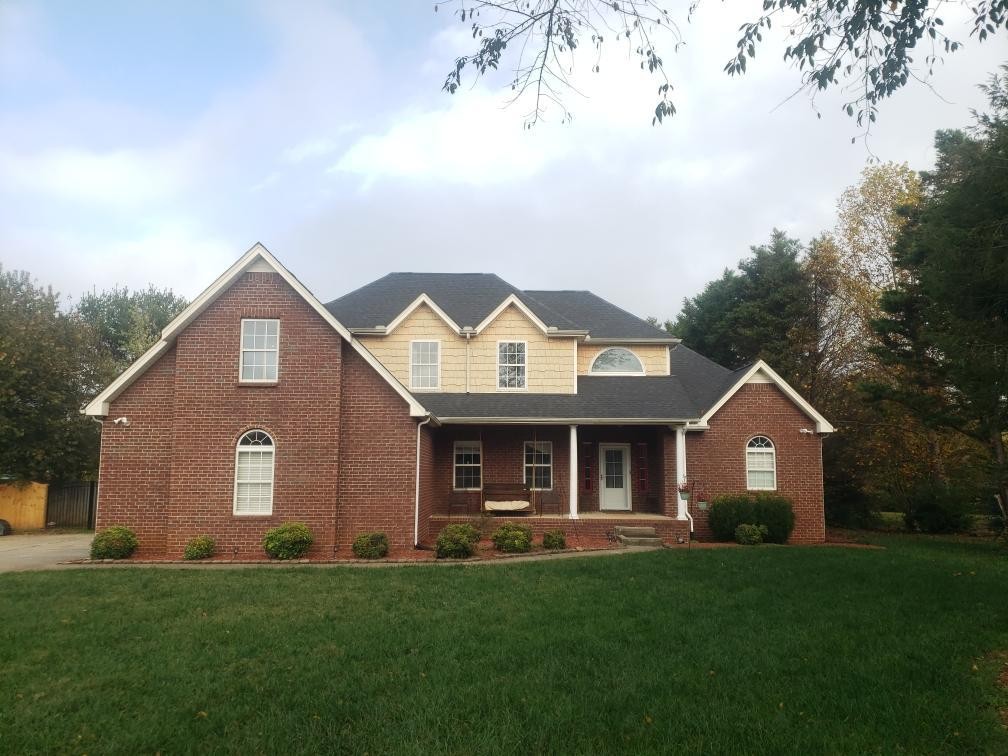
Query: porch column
point(680, 469)
point(572, 483)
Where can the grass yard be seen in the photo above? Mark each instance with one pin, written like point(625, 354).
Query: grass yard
point(769, 649)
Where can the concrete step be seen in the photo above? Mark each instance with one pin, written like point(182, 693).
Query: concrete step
point(636, 531)
point(640, 541)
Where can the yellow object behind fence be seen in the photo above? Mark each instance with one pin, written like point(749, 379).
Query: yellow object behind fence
point(24, 507)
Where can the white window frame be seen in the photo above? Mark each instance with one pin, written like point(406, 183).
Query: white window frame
point(242, 350)
point(498, 356)
point(272, 480)
point(455, 464)
point(773, 457)
point(526, 465)
point(437, 385)
point(593, 371)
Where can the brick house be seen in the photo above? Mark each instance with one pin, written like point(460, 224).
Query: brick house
point(423, 398)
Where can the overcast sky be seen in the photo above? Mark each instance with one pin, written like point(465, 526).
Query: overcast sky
point(144, 142)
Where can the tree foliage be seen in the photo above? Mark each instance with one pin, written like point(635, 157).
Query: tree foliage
point(867, 47)
point(945, 324)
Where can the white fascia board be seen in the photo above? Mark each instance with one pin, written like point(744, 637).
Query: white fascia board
point(423, 299)
point(522, 307)
point(99, 406)
point(671, 340)
point(561, 421)
point(822, 424)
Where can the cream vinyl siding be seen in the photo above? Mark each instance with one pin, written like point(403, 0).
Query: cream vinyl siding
point(654, 357)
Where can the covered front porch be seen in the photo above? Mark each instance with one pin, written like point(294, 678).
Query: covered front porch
point(588, 478)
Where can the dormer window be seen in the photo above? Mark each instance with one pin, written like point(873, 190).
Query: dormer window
point(617, 361)
point(260, 351)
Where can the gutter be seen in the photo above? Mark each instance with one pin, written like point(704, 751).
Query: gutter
point(416, 503)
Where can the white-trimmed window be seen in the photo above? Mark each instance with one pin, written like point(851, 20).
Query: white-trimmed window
point(539, 465)
point(425, 364)
point(761, 464)
point(468, 466)
point(260, 350)
point(253, 494)
point(617, 361)
point(511, 364)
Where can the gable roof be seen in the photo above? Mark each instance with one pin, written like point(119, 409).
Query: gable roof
point(470, 300)
point(257, 258)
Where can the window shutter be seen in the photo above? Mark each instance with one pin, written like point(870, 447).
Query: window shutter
point(642, 468)
point(587, 466)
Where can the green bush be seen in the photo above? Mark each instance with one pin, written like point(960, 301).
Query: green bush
point(512, 538)
point(771, 510)
point(456, 541)
point(370, 546)
point(934, 507)
point(200, 547)
point(554, 539)
point(289, 541)
point(750, 535)
point(116, 542)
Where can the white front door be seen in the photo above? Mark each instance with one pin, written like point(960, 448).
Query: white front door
point(614, 476)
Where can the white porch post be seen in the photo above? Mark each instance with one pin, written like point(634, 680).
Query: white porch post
point(680, 469)
point(572, 484)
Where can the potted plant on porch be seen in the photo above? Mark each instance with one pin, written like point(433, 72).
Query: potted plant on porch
point(684, 490)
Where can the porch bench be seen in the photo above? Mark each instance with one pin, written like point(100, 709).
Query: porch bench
point(510, 493)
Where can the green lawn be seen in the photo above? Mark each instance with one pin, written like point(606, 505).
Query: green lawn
point(769, 649)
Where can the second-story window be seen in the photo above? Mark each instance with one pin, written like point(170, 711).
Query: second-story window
point(425, 363)
point(260, 350)
point(511, 364)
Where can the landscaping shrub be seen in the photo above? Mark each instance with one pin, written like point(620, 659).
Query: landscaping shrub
point(512, 538)
point(289, 541)
point(554, 539)
point(116, 542)
point(200, 547)
point(750, 535)
point(771, 510)
point(934, 507)
point(456, 541)
point(370, 546)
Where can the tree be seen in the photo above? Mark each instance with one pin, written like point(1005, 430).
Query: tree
point(864, 46)
point(126, 322)
point(945, 324)
point(49, 367)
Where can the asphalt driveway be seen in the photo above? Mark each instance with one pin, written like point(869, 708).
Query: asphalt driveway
point(42, 551)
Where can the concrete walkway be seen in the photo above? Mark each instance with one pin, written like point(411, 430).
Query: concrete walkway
point(42, 551)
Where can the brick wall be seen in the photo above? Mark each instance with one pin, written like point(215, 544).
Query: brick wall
point(715, 458)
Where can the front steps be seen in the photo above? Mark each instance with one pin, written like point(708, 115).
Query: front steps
point(638, 535)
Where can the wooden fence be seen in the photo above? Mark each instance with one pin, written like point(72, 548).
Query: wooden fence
point(72, 505)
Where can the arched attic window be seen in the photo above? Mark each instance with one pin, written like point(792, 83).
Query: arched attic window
point(761, 464)
point(617, 361)
point(253, 491)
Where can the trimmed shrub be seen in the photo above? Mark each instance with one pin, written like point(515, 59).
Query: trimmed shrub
point(772, 510)
point(512, 538)
point(289, 541)
point(456, 541)
point(933, 507)
point(370, 546)
point(554, 539)
point(750, 535)
point(200, 547)
point(116, 542)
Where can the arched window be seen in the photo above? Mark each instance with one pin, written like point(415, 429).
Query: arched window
point(253, 494)
point(761, 464)
point(617, 360)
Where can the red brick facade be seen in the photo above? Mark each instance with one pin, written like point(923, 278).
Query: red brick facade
point(346, 447)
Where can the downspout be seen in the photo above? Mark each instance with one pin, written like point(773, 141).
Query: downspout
point(416, 508)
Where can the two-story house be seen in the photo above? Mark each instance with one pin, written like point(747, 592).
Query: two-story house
point(423, 398)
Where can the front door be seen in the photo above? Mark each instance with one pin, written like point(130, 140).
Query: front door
point(614, 478)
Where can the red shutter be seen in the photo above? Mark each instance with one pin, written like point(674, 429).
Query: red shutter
point(642, 468)
point(587, 467)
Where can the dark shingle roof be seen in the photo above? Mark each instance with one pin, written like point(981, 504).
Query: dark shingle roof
point(467, 298)
point(598, 397)
point(703, 379)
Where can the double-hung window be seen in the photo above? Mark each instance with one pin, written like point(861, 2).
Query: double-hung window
point(425, 364)
point(468, 466)
point(539, 465)
point(761, 464)
point(260, 350)
point(511, 365)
